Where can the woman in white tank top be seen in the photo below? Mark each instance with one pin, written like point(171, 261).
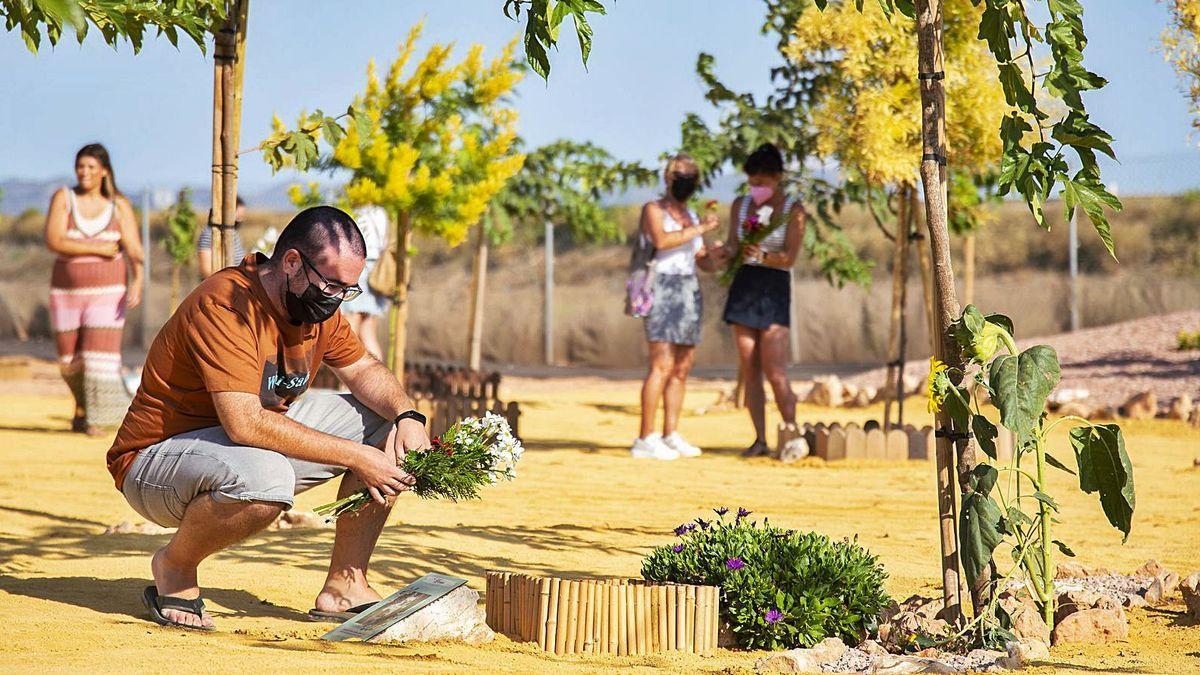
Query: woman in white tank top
point(673, 324)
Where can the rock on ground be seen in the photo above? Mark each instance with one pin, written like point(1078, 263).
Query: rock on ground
point(1092, 626)
point(1141, 406)
point(826, 651)
point(455, 616)
point(1190, 589)
point(1027, 622)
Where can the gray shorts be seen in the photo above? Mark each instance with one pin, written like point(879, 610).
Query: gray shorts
point(167, 476)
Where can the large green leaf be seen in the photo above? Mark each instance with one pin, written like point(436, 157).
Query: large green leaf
point(980, 528)
point(985, 434)
point(1020, 385)
point(1104, 467)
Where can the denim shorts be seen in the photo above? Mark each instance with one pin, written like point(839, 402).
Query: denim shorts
point(167, 476)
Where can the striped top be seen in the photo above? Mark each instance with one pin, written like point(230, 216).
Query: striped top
point(239, 251)
point(73, 273)
point(777, 239)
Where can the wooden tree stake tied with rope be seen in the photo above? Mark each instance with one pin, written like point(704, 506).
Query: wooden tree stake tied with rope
point(229, 51)
point(933, 179)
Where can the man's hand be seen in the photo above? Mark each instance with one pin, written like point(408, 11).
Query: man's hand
point(380, 473)
point(407, 435)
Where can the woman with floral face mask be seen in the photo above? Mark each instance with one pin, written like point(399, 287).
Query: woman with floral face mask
point(760, 297)
point(673, 323)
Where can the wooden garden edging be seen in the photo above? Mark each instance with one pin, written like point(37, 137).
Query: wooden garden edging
point(836, 442)
point(446, 394)
point(623, 617)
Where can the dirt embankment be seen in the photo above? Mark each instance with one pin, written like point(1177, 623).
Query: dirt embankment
point(1112, 363)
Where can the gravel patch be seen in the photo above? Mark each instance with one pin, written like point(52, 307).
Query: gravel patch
point(853, 661)
point(1113, 585)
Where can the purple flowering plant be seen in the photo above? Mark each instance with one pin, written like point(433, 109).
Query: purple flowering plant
point(780, 589)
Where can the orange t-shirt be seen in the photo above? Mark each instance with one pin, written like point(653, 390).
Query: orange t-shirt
point(225, 336)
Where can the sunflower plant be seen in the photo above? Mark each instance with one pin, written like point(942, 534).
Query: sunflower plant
point(1009, 503)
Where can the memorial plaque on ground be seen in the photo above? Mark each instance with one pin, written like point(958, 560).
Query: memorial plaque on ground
point(396, 607)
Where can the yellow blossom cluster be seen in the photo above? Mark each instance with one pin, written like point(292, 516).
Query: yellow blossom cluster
point(436, 141)
point(868, 117)
point(1182, 49)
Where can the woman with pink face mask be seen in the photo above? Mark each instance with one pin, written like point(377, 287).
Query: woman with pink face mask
point(760, 297)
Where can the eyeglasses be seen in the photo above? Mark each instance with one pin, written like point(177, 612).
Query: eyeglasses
point(331, 288)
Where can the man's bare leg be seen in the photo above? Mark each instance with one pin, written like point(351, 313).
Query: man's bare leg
point(354, 541)
point(208, 526)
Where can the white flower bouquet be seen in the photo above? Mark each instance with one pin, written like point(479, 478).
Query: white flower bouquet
point(472, 453)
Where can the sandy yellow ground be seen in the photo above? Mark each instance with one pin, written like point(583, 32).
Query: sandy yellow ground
point(69, 595)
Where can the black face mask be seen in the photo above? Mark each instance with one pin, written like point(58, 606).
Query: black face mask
point(683, 187)
point(311, 306)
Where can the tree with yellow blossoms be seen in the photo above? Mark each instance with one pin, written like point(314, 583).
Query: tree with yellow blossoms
point(862, 118)
point(431, 144)
point(1181, 47)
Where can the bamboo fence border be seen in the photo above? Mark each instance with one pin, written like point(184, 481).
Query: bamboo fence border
point(621, 617)
point(837, 442)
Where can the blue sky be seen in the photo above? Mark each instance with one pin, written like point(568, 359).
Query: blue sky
point(153, 110)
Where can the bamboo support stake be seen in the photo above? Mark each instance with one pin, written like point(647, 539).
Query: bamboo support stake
point(603, 632)
point(669, 593)
point(717, 617)
point(552, 621)
point(520, 597)
point(572, 618)
point(638, 593)
point(622, 622)
point(487, 599)
point(564, 617)
point(543, 611)
point(691, 619)
point(653, 627)
point(590, 626)
point(661, 593)
point(647, 617)
point(614, 620)
point(680, 618)
point(933, 181)
point(506, 623)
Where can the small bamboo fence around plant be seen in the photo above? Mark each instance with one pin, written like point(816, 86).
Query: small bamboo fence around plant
point(622, 617)
point(835, 442)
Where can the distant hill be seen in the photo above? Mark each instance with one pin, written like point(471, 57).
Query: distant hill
point(21, 194)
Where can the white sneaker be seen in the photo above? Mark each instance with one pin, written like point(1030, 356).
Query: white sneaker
point(652, 447)
point(685, 449)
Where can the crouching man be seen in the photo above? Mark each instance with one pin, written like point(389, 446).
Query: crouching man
point(216, 442)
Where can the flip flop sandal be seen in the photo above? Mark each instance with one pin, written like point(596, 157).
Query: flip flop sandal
point(157, 603)
point(340, 617)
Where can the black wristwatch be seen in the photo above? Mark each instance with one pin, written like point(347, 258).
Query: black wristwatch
point(411, 415)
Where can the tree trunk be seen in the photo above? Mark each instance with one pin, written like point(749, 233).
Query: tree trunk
point(399, 312)
point(478, 286)
point(895, 374)
point(933, 179)
point(922, 252)
point(969, 268)
point(548, 298)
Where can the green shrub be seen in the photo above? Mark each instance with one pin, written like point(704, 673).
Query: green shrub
point(780, 589)
point(1189, 341)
